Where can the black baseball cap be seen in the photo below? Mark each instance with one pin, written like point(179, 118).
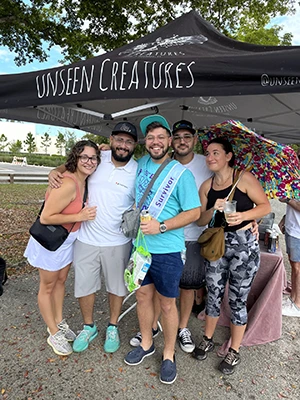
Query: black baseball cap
point(125, 127)
point(183, 124)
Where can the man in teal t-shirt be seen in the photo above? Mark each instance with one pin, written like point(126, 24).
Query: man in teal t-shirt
point(173, 202)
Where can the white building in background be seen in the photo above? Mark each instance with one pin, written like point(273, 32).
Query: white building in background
point(18, 131)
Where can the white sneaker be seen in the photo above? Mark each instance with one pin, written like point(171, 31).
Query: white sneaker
point(59, 344)
point(186, 342)
point(290, 310)
point(286, 301)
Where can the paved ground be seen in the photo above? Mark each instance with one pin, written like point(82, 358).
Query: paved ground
point(30, 370)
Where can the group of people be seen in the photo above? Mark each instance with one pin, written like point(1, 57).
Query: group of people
point(193, 190)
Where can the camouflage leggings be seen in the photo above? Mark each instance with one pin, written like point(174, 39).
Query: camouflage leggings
point(238, 266)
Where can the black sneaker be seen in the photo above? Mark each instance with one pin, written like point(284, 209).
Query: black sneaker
point(185, 340)
point(197, 308)
point(137, 339)
point(205, 346)
point(230, 361)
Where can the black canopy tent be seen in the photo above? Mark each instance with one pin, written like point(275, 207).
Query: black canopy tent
point(186, 69)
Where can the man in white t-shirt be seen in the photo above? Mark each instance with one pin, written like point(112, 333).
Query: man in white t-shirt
point(101, 245)
point(290, 225)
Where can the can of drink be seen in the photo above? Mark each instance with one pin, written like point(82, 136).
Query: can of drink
point(266, 238)
point(272, 243)
point(145, 216)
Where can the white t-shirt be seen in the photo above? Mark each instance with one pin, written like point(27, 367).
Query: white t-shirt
point(112, 190)
point(200, 171)
point(292, 222)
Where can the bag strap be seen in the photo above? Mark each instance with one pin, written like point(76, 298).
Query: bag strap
point(85, 195)
point(237, 178)
point(151, 183)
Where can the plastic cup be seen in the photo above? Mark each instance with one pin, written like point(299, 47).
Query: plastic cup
point(229, 208)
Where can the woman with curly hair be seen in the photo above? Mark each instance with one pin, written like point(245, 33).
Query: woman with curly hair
point(63, 206)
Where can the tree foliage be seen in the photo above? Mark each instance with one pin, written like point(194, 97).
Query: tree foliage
point(30, 142)
point(60, 142)
point(3, 142)
point(15, 147)
point(46, 141)
point(82, 28)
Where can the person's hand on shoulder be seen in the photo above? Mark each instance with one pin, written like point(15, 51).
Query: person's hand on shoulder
point(104, 147)
point(55, 179)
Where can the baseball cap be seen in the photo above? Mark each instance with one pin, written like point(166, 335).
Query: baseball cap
point(125, 127)
point(153, 118)
point(183, 124)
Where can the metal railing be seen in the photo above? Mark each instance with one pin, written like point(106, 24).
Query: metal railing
point(23, 177)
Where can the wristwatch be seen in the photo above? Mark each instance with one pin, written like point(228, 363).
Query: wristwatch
point(162, 227)
point(287, 200)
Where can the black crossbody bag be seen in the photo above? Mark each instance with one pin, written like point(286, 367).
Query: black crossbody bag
point(51, 237)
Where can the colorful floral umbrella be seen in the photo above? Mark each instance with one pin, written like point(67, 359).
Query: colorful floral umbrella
point(275, 165)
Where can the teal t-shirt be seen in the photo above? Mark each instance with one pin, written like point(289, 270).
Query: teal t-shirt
point(183, 198)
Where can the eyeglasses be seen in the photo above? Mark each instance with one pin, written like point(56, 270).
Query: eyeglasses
point(160, 138)
point(186, 138)
point(120, 140)
point(84, 159)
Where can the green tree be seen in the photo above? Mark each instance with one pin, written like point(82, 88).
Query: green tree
point(85, 27)
point(60, 142)
point(70, 140)
point(96, 138)
point(3, 142)
point(46, 141)
point(30, 142)
point(15, 147)
point(252, 30)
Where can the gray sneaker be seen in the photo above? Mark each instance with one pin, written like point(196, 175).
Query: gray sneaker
point(64, 327)
point(59, 344)
point(69, 334)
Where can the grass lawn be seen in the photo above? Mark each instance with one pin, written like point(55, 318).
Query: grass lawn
point(19, 206)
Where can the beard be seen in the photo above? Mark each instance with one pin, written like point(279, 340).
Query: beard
point(158, 156)
point(121, 157)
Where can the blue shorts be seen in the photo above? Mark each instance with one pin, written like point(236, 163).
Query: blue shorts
point(165, 273)
point(292, 247)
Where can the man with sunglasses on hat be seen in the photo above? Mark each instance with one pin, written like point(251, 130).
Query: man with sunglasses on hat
point(173, 202)
point(184, 140)
point(101, 246)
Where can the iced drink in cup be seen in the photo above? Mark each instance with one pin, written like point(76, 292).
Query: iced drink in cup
point(229, 208)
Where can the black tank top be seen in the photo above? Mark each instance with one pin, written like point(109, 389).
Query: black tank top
point(244, 203)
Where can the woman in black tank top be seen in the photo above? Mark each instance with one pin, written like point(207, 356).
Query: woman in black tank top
point(240, 262)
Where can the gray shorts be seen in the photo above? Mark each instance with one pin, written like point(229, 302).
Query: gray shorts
point(193, 274)
point(90, 260)
point(292, 247)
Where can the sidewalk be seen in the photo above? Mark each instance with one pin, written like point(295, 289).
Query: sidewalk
point(30, 370)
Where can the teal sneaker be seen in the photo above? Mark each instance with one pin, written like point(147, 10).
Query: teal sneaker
point(84, 338)
point(112, 341)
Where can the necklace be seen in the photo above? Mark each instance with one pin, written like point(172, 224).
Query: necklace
point(223, 183)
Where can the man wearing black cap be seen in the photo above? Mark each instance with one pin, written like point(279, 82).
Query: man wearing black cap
point(101, 245)
point(193, 275)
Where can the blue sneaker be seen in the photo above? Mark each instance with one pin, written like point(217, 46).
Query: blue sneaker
point(84, 338)
point(168, 371)
point(112, 341)
point(137, 355)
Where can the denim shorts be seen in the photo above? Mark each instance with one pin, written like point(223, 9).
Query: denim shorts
point(292, 247)
point(165, 273)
